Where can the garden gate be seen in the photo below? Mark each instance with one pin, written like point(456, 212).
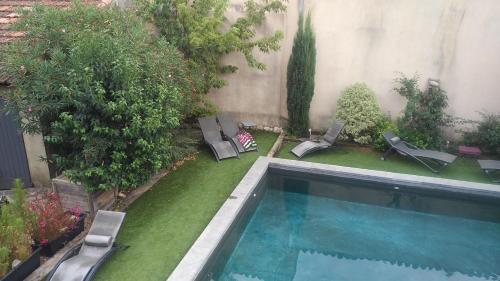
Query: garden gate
point(13, 161)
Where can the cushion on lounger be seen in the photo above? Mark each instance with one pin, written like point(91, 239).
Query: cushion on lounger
point(395, 140)
point(98, 240)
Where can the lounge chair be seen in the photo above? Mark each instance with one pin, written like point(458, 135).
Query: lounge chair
point(230, 130)
point(82, 261)
point(489, 167)
point(325, 142)
point(433, 160)
point(211, 134)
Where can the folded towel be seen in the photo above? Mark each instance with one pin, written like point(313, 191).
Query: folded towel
point(98, 240)
point(246, 139)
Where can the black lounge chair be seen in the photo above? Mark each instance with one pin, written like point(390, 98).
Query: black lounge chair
point(489, 167)
point(325, 142)
point(433, 160)
point(230, 130)
point(211, 134)
point(82, 261)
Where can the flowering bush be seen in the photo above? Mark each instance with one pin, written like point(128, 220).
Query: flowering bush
point(359, 109)
point(106, 93)
point(52, 220)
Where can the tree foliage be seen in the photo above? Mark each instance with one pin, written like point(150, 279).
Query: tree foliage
point(300, 77)
point(424, 115)
point(359, 109)
point(103, 91)
point(201, 32)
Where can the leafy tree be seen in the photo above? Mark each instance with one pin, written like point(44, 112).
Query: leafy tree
point(199, 29)
point(424, 115)
point(105, 93)
point(300, 77)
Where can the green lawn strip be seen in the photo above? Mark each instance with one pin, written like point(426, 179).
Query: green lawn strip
point(465, 169)
point(164, 222)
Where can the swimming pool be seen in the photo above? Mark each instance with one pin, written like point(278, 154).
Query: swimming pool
point(304, 221)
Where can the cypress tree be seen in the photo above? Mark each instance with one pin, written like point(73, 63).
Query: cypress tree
point(300, 77)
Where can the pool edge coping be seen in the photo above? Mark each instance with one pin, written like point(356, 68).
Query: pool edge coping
point(193, 262)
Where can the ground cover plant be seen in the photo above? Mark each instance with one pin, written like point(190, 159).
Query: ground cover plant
point(106, 94)
point(164, 222)
point(300, 78)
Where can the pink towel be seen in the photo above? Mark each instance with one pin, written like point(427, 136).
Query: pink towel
point(246, 139)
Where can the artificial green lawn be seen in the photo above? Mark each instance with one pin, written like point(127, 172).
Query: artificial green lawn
point(164, 222)
point(465, 169)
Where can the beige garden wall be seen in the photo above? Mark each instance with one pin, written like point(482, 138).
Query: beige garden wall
point(456, 41)
point(251, 93)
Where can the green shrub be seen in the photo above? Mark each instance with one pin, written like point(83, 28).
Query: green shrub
point(4, 260)
point(20, 207)
point(300, 78)
point(384, 124)
point(424, 115)
point(358, 107)
point(16, 223)
point(487, 133)
point(106, 94)
point(199, 29)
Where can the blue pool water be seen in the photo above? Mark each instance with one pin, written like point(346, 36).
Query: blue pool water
point(303, 237)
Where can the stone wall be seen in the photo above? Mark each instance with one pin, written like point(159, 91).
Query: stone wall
point(75, 195)
point(455, 41)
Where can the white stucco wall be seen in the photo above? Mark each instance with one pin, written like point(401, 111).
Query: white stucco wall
point(252, 93)
point(456, 41)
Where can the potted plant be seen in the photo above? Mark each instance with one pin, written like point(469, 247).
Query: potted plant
point(18, 271)
point(54, 226)
point(17, 258)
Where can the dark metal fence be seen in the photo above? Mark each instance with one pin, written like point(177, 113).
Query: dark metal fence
point(13, 161)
